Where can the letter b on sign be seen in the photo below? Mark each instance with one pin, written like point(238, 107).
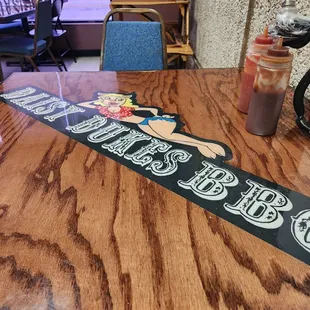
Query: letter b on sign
point(260, 206)
point(210, 183)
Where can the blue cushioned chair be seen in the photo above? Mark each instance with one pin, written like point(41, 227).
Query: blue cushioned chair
point(11, 28)
point(28, 48)
point(133, 45)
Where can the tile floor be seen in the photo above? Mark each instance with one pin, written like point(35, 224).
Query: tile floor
point(85, 64)
point(82, 64)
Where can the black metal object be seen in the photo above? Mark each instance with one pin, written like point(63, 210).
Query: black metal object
point(59, 31)
point(294, 28)
point(299, 96)
point(297, 42)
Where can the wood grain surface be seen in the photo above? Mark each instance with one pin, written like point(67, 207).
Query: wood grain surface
point(80, 231)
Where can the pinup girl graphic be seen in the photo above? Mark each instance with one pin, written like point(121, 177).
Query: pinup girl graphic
point(120, 107)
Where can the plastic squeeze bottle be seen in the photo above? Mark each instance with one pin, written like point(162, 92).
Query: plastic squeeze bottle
point(261, 44)
point(271, 81)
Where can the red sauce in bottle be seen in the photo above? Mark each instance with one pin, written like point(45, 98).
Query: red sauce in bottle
point(248, 77)
point(262, 43)
point(264, 113)
point(269, 90)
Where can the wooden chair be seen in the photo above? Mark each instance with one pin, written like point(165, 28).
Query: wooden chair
point(181, 46)
point(28, 48)
point(133, 45)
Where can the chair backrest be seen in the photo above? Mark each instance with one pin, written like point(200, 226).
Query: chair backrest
point(43, 21)
point(57, 8)
point(133, 45)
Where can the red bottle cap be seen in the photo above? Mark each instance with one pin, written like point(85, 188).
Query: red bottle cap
point(278, 50)
point(264, 39)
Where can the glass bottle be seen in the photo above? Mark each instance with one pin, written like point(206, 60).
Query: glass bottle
point(261, 44)
point(288, 7)
point(291, 25)
point(271, 82)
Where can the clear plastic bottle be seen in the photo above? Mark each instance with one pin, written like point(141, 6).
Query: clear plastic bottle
point(260, 45)
point(271, 82)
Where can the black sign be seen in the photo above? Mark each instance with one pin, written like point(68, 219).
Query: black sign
point(151, 143)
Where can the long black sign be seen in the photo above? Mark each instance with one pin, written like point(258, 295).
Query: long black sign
point(152, 144)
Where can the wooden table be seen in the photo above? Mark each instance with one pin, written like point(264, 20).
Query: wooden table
point(79, 230)
point(21, 15)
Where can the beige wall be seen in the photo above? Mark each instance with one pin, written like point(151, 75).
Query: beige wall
point(219, 33)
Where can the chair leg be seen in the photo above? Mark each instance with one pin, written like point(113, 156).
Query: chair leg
point(187, 29)
point(184, 59)
point(69, 45)
point(33, 64)
point(178, 62)
point(62, 63)
point(54, 59)
point(1, 74)
point(67, 40)
point(21, 62)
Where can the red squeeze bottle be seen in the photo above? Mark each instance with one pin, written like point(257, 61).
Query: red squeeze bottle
point(260, 45)
point(271, 81)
